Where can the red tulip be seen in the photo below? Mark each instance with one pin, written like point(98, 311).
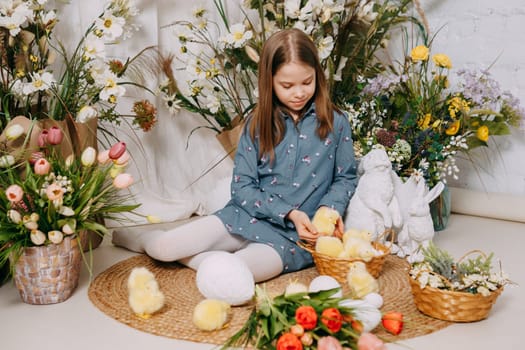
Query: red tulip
point(306, 316)
point(55, 135)
point(117, 150)
point(42, 167)
point(288, 341)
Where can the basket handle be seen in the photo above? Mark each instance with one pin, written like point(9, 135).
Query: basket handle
point(474, 251)
point(388, 232)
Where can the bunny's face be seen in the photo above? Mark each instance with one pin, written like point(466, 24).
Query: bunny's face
point(376, 159)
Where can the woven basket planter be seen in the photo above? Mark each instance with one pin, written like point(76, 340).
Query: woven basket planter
point(48, 274)
point(452, 306)
point(338, 267)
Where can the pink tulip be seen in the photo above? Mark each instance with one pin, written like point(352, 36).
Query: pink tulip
point(14, 193)
point(122, 181)
point(42, 167)
point(123, 159)
point(103, 157)
point(369, 341)
point(117, 150)
point(55, 135)
point(54, 192)
point(35, 156)
point(42, 138)
point(329, 343)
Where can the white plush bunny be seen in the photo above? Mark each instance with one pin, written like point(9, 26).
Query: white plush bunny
point(374, 206)
point(418, 229)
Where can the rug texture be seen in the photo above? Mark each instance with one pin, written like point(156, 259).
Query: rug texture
point(108, 292)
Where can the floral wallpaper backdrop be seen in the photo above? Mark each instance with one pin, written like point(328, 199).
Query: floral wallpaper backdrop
point(168, 166)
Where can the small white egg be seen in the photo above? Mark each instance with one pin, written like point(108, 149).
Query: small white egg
point(374, 299)
point(325, 282)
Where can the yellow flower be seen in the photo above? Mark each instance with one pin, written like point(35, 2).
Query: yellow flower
point(442, 60)
point(483, 133)
point(424, 122)
point(442, 79)
point(419, 53)
point(453, 128)
point(457, 104)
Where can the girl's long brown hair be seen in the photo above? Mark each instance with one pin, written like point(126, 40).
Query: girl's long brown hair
point(289, 45)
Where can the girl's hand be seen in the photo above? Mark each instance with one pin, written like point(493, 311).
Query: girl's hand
point(305, 229)
point(339, 228)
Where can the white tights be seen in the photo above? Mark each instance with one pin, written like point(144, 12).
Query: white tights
point(192, 242)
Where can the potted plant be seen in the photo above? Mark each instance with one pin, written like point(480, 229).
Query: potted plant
point(45, 79)
point(47, 202)
point(424, 122)
point(458, 291)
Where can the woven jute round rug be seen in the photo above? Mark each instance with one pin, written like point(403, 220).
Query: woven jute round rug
point(109, 293)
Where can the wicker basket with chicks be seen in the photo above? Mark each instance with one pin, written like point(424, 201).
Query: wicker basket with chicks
point(334, 255)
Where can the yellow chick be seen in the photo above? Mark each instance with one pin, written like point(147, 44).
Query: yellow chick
point(210, 314)
point(329, 245)
point(358, 248)
point(145, 296)
point(325, 220)
point(360, 281)
point(363, 234)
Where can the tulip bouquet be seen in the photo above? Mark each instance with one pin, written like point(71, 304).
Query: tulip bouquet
point(304, 320)
point(45, 196)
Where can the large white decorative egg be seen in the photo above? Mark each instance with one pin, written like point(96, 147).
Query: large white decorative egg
point(224, 276)
point(374, 299)
point(325, 282)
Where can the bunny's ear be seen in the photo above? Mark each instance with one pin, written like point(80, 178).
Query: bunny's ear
point(435, 192)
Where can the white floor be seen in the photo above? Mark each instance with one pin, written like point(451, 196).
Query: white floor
point(78, 324)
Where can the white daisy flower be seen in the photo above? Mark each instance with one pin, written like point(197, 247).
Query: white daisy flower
point(39, 82)
point(238, 35)
point(94, 47)
point(110, 26)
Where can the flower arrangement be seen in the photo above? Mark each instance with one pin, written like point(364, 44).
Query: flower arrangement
point(89, 84)
point(471, 275)
point(220, 59)
point(46, 197)
point(298, 319)
point(423, 122)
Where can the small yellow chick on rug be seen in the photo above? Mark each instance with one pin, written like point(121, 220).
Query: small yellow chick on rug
point(145, 296)
point(360, 281)
point(325, 220)
point(211, 314)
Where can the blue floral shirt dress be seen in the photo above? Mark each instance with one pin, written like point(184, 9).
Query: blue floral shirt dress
point(307, 173)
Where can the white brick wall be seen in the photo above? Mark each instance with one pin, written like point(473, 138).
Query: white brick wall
point(477, 33)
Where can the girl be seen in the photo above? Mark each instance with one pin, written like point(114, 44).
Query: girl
point(295, 155)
